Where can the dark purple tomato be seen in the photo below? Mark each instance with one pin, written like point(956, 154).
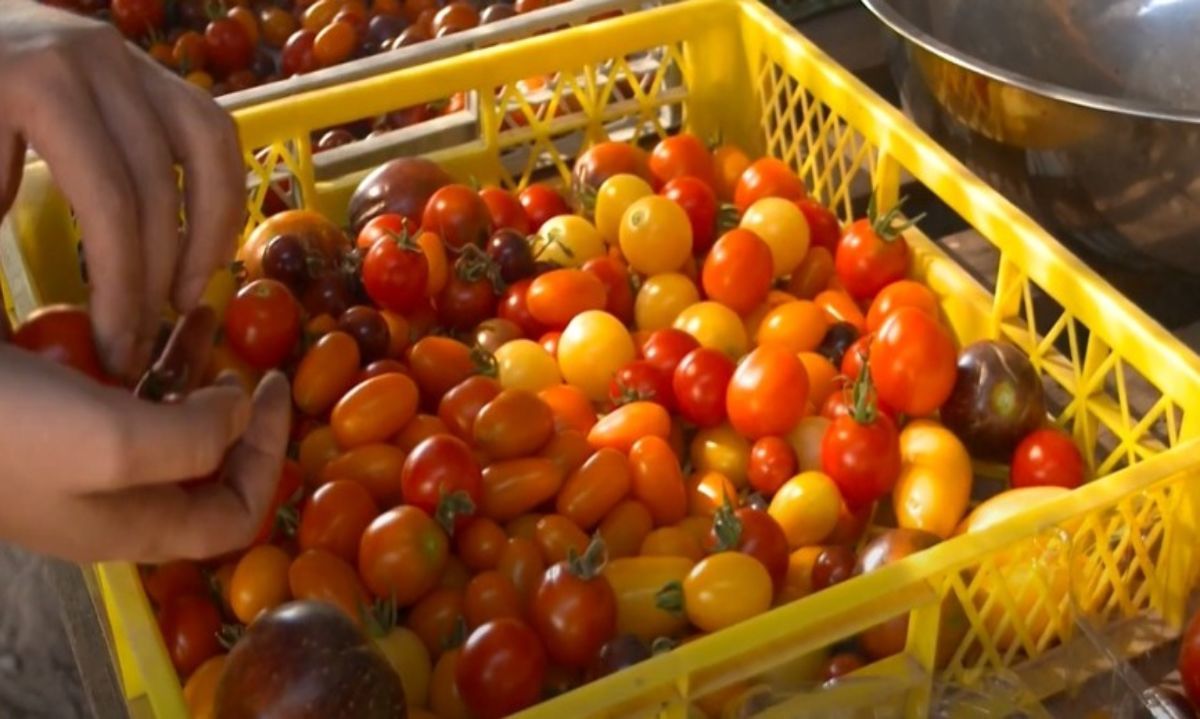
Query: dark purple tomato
point(328, 294)
point(510, 251)
point(997, 399)
point(382, 30)
point(621, 651)
point(837, 340)
point(334, 138)
point(497, 12)
point(285, 259)
point(369, 330)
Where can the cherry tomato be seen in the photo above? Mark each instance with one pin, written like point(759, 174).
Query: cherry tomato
point(681, 155)
point(558, 296)
point(260, 582)
point(672, 542)
point(480, 543)
point(699, 201)
point(615, 196)
point(935, 479)
point(511, 254)
point(524, 364)
point(636, 582)
point(326, 372)
point(606, 159)
point(666, 348)
point(625, 527)
point(824, 228)
point(402, 554)
point(172, 579)
point(468, 297)
point(322, 576)
point(395, 271)
point(376, 467)
point(700, 383)
point(782, 226)
point(729, 163)
point(708, 491)
point(514, 306)
point(490, 595)
point(189, 51)
point(797, 326)
point(871, 255)
point(772, 463)
point(752, 532)
point(841, 308)
point(767, 177)
point(806, 507)
point(137, 18)
point(521, 561)
point(227, 46)
point(505, 210)
point(459, 217)
point(767, 393)
point(595, 488)
point(904, 293)
point(574, 609)
point(262, 323)
point(861, 452)
point(374, 410)
point(641, 381)
point(368, 328)
point(62, 334)
point(443, 478)
point(455, 17)
point(514, 424)
point(440, 363)
point(557, 537)
point(833, 565)
point(189, 624)
point(500, 669)
point(200, 690)
point(722, 590)
point(570, 407)
point(914, 362)
point(813, 274)
point(1047, 457)
point(655, 235)
point(715, 326)
point(334, 518)
point(277, 26)
point(738, 271)
point(541, 203)
point(657, 479)
point(592, 348)
point(628, 423)
point(662, 298)
point(721, 449)
point(461, 405)
point(567, 241)
point(823, 379)
point(436, 618)
point(618, 286)
point(513, 487)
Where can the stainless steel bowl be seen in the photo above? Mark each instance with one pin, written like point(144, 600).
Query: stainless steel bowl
point(1084, 112)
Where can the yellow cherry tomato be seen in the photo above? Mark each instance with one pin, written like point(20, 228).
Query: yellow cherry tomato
point(715, 326)
point(724, 589)
point(672, 542)
point(200, 691)
point(782, 226)
point(721, 449)
point(661, 299)
point(798, 581)
point(806, 508)
point(655, 235)
point(614, 197)
point(636, 582)
point(591, 350)
point(799, 326)
point(408, 655)
point(525, 364)
point(567, 240)
point(935, 479)
point(805, 439)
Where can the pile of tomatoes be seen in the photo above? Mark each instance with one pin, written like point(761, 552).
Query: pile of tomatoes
point(234, 45)
point(546, 438)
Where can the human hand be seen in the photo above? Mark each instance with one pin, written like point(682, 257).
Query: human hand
point(92, 473)
point(111, 124)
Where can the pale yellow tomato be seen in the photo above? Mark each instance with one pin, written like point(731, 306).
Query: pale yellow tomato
point(655, 235)
point(567, 240)
point(782, 226)
point(715, 326)
point(806, 508)
point(721, 449)
point(614, 197)
point(591, 350)
point(805, 439)
point(525, 364)
point(661, 299)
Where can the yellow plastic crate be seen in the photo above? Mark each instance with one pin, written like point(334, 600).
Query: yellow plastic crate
point(1127, 541)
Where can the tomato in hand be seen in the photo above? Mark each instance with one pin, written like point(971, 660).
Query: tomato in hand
point(227, 46)
point(335, 517)
point(738, 271)
point(500, 669)
point(913, 362)
point(62, 334)
point(506, 211)
point(262, 323)
point(767, 393)
point(395, 271)
point(402, 554)
point(457, 215)
point(767, 177)
point(1047, 458)
point(574, 609)
point(872, 254)
point(443, 478)
point(189, 624)
point(681, 155)
point(542, 202)
point(700, 384)
point(860, 451)
point(699, 201)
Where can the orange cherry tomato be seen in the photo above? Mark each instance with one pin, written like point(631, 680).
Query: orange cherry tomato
point(521, 561)
point(658, 480)
point(568, 450)
point(768, 392)
point(903, 293)
point(729, 163)
point(822, 377)
point(767, 177)
point(374, 411)
point(260, 582)
point(398, 333)
point(460, 406)
point(625, 527)
point(672, 542)
point(377, 467)
point(841, 308)
point(797, 326)
point(628, 423)
point(444, 697)
point(513, 487)
point(440, 363)
point(557, 536)
point(435, 618)
point(514, 424)
point(334, 518)
point(277, 26)
point(325, 373)
point(913, 362)
point(322, 576)
point(570, 406)
point(402, 555)
point(480, 543)
point(738, 270)
point(524, 526)
point(317, 448)
point(455, 575)
point(556, 297)
point(321, 325)
point(813, 274)
point(595, 488)
point(439, 267)
point(200, 691)
point(420, 428)
point(491, 595)
point(708, 492)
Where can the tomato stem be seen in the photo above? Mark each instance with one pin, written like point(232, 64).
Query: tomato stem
point(862, 407)
point(670, 598)
point(450, 507)
point(885, 225)
point(230, 634)
point(727, 527)
point(379, 618)
point(588, 565)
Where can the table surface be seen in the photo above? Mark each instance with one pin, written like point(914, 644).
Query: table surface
point(54, 656)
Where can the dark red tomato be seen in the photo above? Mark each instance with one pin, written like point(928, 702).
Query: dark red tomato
point(62, 334)
point(699, 201)
point(165, 582)
point(369, 330)
point(189, 53)
point(861, 453)
point(136, 18)
point(605, 159)
point(617, 283)
point(389, 225)
point(189, 626)
point(1047, 458)
point(839, 404)
point(640, 380)
point(856, 354)
point(514, 306)
point(262, 323)
point(540, 203)
point(227, 47)
point(824, 230)
point(700, 383)
point(467, 299)
point(505, 210)
point(871, 255)
point(298, 57)
point(442, 477)
point(328, 294)
point(752, 532)
point(833, 565)
point(459, 407)
point(509, 249)
point(395, 271)
point(682, 155)
point(1189, 660)
point(456, 214)
point(667, 347)
point(772, 462)
point(501, 668)
point(574, 609)
point(286, 489)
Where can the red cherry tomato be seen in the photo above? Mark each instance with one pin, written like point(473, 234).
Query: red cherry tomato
point(1047, 458)
point(667, 347)
point(459, 216)
point(772, 462)
point(767, 177)
point(514, 306)
point(189, 624)
point(861, 452)
point(227, 46)
point(824, 230)
point(335, 517)
point(914, 362)
point(298, 57)
point(681, 155)
point(574, 609)
point(62, 334)
point(385, 225)
point(618, 286)
point(871, 256)
point(505, 210)
point(442, 477)
point(752, 532)
point(136, 18)
point(395, 271)
point(262, 323)
point(699, 201)
point(700, 383)
point(500, 669)
point(540, 203)
point(768, 393)
point(641, 380)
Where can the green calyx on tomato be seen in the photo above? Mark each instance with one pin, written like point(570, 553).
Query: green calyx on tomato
point(885, 225)
point(728, 218)
point(670, 598)
point(552, 238)
point(457, 636)
point(727, 528)
point(474, 264)
point(452, 506)
point(379, 618)
point(862, 395)
point(590, 564)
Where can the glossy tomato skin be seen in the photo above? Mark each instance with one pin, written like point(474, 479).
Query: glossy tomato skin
point(334, 518)
point(262, 323)
point(738, 271)
point(510, 251)
point(914, 362)
point(681, 155)
point(402, 554)
point(466, 300)
point(768, 393)
point(641, 380)
point(506, 211)
point(761, 537)
point(459, 216)
point(514, 306)
point(370, 331)
point(605, 159)
point(439, 474)
point(62, 334)
point(395, 272)
point(699, 201)
point(542, 203)
point(772, 463)
point(574, 615)
point(227, 46)
point(866, 262)
point(863, 459)
point(189, 624)
point(666, 348)
point(700, 385)
point(767, 177)
point(461, 405)
point(1047, 457)
point(500, 669)
point(618, 285)
point(824, 230)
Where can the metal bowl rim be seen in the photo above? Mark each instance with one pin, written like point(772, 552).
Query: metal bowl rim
point(886, 13)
